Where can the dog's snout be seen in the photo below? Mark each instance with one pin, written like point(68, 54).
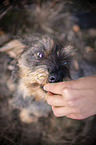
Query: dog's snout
point(53, 78)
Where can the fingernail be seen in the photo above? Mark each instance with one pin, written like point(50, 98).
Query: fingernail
point(44, 88)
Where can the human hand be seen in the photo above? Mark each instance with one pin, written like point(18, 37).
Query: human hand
point(75, 99)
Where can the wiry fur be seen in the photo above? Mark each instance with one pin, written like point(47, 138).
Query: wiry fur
point(34, 72)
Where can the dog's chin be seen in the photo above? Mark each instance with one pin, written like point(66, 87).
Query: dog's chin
point(37, 91)
point(41, 86)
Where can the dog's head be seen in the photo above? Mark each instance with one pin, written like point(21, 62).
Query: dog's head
point(46, 60)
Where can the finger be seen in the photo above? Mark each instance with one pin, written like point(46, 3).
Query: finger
point(71, 95)
point(69, 98)
point(54, 100)
point(56, 88)
point(76, 116)
point(82, 82)
point(73, 116)
point(63, 111)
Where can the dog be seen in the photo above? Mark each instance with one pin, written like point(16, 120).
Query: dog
point(32, 62)
point(36, 60)
point(44, 60)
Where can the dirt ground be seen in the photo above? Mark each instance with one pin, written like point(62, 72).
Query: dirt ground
point(25, 121)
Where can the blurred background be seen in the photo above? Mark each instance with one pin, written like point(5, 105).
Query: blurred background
point(25, 121)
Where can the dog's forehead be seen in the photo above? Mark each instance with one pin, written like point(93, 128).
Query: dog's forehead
point(45, 43)
point(48, 42)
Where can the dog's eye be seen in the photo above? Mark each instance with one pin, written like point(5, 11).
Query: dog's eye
point(65, 62)
point(39, 54)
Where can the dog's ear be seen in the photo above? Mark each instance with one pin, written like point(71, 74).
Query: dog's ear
point(69, 50)
point(72, 54)
point(14, 49)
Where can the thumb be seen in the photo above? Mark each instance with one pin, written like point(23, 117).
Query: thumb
point(56, 88)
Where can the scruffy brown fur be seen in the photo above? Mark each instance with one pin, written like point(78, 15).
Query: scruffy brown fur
point(43, 60)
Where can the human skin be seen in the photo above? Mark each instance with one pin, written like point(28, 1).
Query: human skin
point(75, 99)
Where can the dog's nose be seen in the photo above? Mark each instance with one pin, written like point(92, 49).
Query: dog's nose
point(53, 78)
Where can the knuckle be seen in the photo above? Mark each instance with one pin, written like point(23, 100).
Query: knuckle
point(65, 90)
point(71, 103)
point(67, 93)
